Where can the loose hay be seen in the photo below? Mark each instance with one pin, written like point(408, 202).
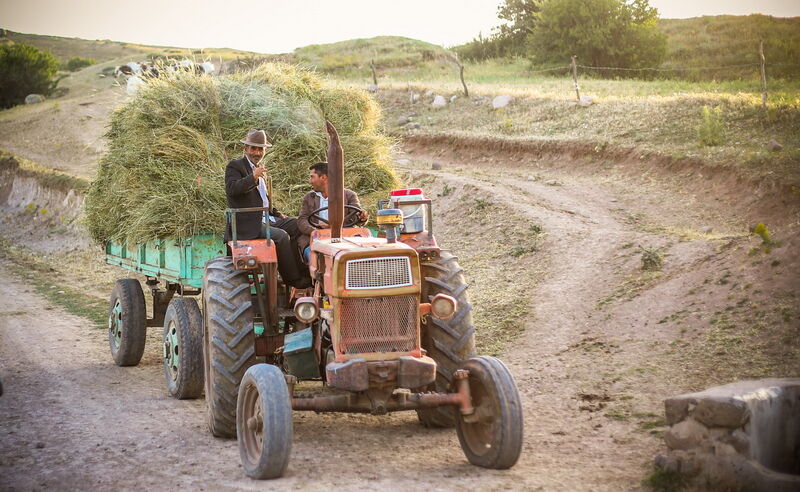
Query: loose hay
point(164, 171)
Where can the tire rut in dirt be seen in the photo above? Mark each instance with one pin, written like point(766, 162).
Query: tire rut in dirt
point(127, 322)
point(183, 344)
point(229, 341)
point(448, 342)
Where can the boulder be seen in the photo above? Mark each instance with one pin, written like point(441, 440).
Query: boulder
point(372, 88)
point(586, 101)
point(439, 102)
point(500, 102)
point(774, 146)
point(453, 99)
point(706, 229)
point(685, 435)
point(402, 120)
point(436, 166)
point(34, 99)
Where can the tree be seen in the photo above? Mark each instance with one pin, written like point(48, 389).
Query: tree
point(25, 70)
point(520, 17)
point(602, 33)
point(77, 62)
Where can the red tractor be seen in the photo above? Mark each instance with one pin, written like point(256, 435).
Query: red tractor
point(386, 327)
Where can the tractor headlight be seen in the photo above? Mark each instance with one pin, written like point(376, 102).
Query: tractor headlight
point(306, 309)
point(443, 306)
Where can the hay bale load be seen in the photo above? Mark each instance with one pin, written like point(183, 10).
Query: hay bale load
point(163, 173)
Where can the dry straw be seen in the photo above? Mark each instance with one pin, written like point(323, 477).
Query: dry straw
point(168, 147)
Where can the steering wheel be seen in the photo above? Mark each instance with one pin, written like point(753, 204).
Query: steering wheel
point(352, 217)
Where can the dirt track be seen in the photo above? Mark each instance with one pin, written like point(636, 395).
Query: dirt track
point(590, 377)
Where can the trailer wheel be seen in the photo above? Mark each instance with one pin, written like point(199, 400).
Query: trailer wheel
point(183, 348)
point(448, 342)
point(228, 341)
point(127, 322)
point(491, 437)
point(264, 422)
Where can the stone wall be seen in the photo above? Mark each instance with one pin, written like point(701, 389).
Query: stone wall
point(744, 435)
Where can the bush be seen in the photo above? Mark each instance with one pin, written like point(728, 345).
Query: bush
point(709, 133)
point(25, 70)
point(76, 63)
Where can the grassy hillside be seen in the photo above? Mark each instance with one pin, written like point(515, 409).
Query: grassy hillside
point(104, 50)
point(386, 51)
point(733, 40)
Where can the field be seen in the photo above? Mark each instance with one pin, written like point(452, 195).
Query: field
point(611, 252)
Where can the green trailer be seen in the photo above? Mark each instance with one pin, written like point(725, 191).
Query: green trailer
point(171, 266)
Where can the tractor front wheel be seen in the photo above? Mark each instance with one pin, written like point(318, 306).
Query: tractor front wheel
point(183, 348)
point(228, 341)
point(491, 436)
point(127, 322)
point(264, 422)
point(449, 342)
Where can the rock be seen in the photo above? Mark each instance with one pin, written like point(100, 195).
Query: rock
point(412, 114)
point(551, 182)
point(724, 449)
point(739, 440)
point(429, 93)
point(721, 412)
point(572, 104)
point(453, 99)
point(585, 101)
point(439, 102)
point(773, 144)
point(34, 99)
point(706, 229)
point(413, 97)
point(687, 434)
point(402, 121)
point(372, 87)
point(436, 166)
point(666, 463)
point(501, 101)
point(412, 125)
point(402, 162)
point(40, 445)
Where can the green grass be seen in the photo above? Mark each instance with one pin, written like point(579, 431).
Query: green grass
point(47, 177)
point(665, 480)
point(36, 271)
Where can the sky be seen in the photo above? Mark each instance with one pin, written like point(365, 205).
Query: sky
point(280, 26)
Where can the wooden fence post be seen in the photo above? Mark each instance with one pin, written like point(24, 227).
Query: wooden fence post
point(763, 75)
point(374, 72)
point(460, 73)
point(575, 77)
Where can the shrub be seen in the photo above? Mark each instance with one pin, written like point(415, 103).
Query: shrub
point(76, 63)
point(25, 70)
point(709, 132)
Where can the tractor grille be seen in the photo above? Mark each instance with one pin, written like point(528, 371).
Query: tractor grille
point(374, 273)
point(378, 324)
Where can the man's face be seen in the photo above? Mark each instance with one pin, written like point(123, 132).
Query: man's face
point(318, 182)
point(255, 154)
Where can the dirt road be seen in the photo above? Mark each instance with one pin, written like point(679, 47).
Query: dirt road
point(593, 365)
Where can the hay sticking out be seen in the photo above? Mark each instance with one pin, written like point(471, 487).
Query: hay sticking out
point(164, 171)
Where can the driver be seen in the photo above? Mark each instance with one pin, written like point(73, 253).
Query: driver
point(318, 179)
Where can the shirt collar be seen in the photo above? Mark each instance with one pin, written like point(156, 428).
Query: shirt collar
point(319, 194)
point(252, 166)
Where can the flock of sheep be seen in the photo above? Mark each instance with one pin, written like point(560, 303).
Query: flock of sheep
point(138, 73)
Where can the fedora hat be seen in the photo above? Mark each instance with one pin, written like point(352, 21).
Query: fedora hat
point(256, 138)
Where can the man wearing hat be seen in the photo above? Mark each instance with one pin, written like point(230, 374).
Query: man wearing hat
point(245, 187)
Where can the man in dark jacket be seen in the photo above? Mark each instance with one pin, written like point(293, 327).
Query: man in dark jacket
point(245, 187)
point(318, 179)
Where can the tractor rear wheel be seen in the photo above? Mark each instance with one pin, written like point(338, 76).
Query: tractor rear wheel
point(183, 348)
point(127, 322)
point(264, 422)
point(228, 340)
point(448, 342)
point(491, 437)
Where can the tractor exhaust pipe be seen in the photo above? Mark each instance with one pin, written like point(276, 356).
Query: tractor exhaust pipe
point(335, 182)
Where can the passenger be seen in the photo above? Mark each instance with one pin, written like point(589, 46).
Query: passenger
point(245, 187)
point(318, 179)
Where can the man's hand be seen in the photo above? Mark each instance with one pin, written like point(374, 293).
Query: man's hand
point(363, 215)
point(258, 171)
